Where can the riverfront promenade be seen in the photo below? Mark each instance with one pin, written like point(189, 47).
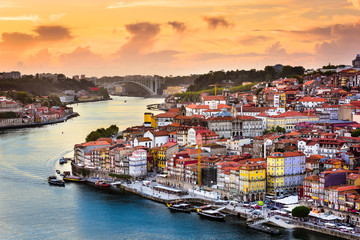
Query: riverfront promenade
point(264, 217)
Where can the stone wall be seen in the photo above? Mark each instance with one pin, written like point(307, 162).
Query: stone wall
point(187, 186)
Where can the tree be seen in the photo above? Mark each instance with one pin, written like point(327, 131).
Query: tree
point(103, 92)
point(280, 129)
point(102, 133)
point(355, 133)
point(300, 212)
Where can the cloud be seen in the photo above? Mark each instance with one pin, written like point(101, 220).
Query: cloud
point(251, 40)
point(16, 40)
point(82, 59)
point(32, 18)
point(215, 22)
point(177, 26)
point(342, 44)
point(56, 17)
point(175, 3)
point(52, 33)
point(142, 38)
point(41, 60)
point(356, 3)
point(21, 41)
point(275, 50)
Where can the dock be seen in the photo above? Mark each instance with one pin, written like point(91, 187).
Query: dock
point(258, 225)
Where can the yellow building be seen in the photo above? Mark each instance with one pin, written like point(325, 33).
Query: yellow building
point(283, 99)
point(154, 153)
point(289, 119)
point(172, 90)
point(161, 163)
point(252, 184)
point(148, 119)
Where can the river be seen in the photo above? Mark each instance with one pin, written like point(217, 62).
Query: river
point(31, 209)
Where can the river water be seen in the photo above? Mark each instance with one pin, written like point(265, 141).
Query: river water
point(31, 209)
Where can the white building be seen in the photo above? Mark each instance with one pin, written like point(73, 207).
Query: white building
point(138, 163)
point(308, 147)
point(158, 138)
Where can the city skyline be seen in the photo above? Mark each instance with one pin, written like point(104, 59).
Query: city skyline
point(175, 37)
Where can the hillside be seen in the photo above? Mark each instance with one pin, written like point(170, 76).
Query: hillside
point(205, 81)
point(43, 87)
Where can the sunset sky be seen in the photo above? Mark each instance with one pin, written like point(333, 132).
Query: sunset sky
point(174, 37)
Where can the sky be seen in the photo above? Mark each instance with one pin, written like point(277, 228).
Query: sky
point(174, 37)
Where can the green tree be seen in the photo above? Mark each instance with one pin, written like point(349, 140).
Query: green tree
point(23, 97)
point(103, 92)
point(300, 212)
point(280, 129)
point(102, 133)
point(355, 133)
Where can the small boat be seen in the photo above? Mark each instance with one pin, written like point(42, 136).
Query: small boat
point(212, 214)
point(52, 180)
point(72, 178)
point(181, 207)
point(101, 183)
point(262, 228)
point(62, 160)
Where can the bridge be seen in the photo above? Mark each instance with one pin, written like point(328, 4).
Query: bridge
point(150, 83)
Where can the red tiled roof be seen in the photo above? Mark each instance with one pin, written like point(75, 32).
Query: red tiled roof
point(167, 115)
point(210, 98)
point(312, 99)
point(247, 117)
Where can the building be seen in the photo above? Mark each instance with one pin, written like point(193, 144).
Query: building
point(289, 119)
point(356, 61)
point(164, 153)
point(138, 163)
point(285, 172)
point(10, 75)
point(252, 184)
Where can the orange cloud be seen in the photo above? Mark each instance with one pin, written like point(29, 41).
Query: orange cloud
point(177, 26)
point(20, 41)
point(52, 33)
point(142, 37)
point(215, 22)
point(342, 44)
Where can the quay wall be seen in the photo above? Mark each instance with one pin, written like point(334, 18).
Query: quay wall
point(27, 125)
point(186, 186)
point(327, 231)
point(80, 171)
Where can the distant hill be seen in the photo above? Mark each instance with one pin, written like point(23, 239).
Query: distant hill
point(43, 87)
point(205, 81)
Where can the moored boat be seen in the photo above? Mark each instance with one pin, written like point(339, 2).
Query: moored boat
point(212, 214)
point(181, 207)
point(101, 183)
point(62, 160)
point(52, 180)
point(72, 178)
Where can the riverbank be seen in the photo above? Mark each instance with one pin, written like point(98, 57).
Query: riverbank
point(88, 101)
point(30, 125)
point(151, 193)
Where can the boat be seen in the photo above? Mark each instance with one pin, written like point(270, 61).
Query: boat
point(72, 178)
point(101, 183)
point(62, 160)
point(262, 228)
point(181, 207)
point(212, 214)
point(52, 180)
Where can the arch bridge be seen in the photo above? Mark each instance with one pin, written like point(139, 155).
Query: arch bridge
point(151, 85)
